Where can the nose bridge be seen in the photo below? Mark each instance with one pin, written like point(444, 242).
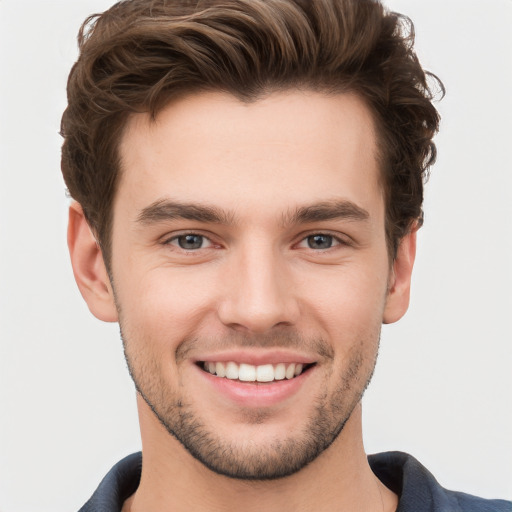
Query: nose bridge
point(260, 294)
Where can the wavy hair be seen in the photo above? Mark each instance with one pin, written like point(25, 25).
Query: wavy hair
point(141, 54)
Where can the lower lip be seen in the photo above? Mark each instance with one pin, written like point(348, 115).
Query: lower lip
point(257, 394)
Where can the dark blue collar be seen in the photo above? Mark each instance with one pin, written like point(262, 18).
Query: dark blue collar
point(418, 490)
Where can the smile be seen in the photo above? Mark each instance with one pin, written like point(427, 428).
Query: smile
point(251, 373)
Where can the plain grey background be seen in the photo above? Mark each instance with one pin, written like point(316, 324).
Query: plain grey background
point(442, 386)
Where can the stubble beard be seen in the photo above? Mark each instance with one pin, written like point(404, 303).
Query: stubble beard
point(271, 460)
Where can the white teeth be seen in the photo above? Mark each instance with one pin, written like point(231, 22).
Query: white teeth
point(247, 372)
point(280, 371)
point(290, 371)
point(232, 371)
point(265, 373)
point(250, 373)
point(220, 369)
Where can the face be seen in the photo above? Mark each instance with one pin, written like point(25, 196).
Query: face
point(250, 272)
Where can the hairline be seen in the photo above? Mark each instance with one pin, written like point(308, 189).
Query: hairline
point(381, 156)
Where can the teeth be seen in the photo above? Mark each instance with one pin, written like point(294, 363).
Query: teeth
point(250, 373)
point(220, 369)
point(280, 371)
point(247, 372)
point(232, 371)
point(265, 373)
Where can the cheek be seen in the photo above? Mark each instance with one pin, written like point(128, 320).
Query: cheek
point(162, 306)
point(348, 299)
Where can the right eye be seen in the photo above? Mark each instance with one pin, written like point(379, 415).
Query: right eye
point(321, 241)
point(190, 241)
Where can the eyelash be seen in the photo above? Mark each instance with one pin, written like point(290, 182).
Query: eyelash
point(176, 238)
point(336, 240)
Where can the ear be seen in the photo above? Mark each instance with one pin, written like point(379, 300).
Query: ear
point(89, 268)
point(399, 286)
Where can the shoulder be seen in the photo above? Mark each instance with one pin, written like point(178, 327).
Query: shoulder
point(117, 486)
point(419, 491)
point(467, 502)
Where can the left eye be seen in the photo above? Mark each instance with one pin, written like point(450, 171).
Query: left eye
point(320, 241)
point(190, 241)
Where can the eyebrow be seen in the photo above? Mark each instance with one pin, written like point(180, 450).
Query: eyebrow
point(326, 210)
point(165, 209)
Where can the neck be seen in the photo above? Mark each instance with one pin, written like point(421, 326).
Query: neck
point(339, 479)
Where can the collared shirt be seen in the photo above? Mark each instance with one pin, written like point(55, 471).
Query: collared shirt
point(416, 487)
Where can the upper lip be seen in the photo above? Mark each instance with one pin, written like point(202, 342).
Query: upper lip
point(256, 357)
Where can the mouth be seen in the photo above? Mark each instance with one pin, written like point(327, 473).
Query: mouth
point(264, 373)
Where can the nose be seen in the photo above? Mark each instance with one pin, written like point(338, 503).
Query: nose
point(258, 293)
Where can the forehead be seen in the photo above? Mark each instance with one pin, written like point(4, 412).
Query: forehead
point(285, 149)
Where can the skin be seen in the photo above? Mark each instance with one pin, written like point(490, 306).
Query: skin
point(256, 288)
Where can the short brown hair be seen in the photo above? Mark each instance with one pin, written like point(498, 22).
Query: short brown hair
point(140, 54)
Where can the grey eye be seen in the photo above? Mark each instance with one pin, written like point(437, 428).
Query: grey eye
point(320, 241)
point(190, 242)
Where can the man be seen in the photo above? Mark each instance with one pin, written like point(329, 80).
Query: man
point(248, 186)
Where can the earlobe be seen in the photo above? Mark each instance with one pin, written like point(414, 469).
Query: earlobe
point(89, 268)
point(397, 301)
